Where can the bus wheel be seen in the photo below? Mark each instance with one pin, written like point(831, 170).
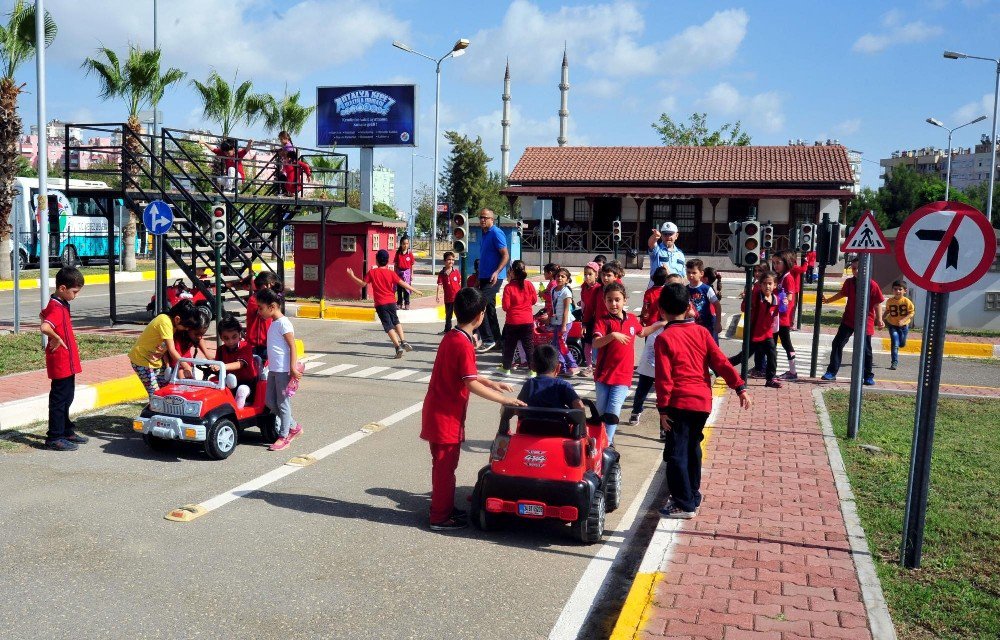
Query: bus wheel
point(69, 257)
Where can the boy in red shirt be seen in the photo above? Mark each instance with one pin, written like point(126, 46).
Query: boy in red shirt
point(237, 354)
point(650, 312)
point(764, 311)
point(384, 281)
point(450, 282)
point(62, 360)
point(442, 423)
point(846, 328)
point(684, 353)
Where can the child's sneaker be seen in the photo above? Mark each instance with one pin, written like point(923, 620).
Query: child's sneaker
point(869, 381)
point(407, 346)
point(829, 377)
point(757, 373)
point(634, 418)
point(61, 444)
point(399, 352)
point(587, 372)
point(663, 435)
point(451, 524)
point(76, 438)
point(893, 365)
point(280, 443)
point(774, 384)
point(675, 512)
point(294, 432)
point(788, 375)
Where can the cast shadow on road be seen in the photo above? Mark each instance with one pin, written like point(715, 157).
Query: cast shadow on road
point(411, 511)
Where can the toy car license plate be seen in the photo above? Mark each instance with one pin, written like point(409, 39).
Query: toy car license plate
point(531, 510)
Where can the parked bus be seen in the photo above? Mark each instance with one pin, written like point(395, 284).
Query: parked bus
point(78, 234)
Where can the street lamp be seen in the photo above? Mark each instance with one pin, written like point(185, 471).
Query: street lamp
point(938, 123)
point(413, 216)
point(954, 55)
point(456, 51)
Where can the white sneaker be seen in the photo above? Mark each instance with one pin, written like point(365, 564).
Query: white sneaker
point(242, 392)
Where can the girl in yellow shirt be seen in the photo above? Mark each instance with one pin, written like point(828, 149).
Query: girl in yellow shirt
point(156, 340)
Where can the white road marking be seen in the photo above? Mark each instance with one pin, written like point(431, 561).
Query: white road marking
point(399, 375)
point(312, 364)
point(366, 373)
point(286, 470)
point(308, 357)
point(426, 378)
point(335, 369)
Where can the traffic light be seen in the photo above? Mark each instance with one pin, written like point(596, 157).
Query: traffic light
point(616, 230)
point(555, 227)
point(767, 237)
point(833, 254)
point(807, 238)
point(220, 224)
point(520, 227)
point(460, 232)
point(749, 243)
point(734, 243)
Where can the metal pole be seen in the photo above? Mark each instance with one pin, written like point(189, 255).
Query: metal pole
point(822, 232)
point(410, 227)
point(218, 296)
point(862, 285)
point(947, 174)
point(17, 272)
point(993, 148)
point(434, 214)
point(914, 515)
point(798, 302)
point(541, 242)
point(159, 281)
point(322, 261)
point(42, 210)
point(747, 303)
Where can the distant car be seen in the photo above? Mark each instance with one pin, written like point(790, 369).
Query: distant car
point(205, 411)
point(555, 464)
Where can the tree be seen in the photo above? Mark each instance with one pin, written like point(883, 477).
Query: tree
point(139, 83)
point(354, 198)
point(696, 134)
point(229, 104)
point(866, 200)
point(286, 114)
point(425, 208)
point(17, 46)
point(466, 182)
point(905, 191)
point(384, 210)
point(975, 196)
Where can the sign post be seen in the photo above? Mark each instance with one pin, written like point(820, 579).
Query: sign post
point(865, 239)
point(822, 240)
point(941, 247)
point(158, 218)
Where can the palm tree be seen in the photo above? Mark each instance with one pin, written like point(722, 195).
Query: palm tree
point(138, 81)
point(286, 114)
point(17, 45)
point(229, 104)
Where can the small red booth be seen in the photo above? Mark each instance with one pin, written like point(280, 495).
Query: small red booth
point(353, 237)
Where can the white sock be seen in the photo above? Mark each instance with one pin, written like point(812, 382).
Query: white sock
point(242, 392)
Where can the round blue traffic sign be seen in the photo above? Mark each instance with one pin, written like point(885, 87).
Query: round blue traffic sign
point(158, 217)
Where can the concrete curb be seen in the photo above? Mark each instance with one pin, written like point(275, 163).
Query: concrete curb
point(951, 347)
point(879, 619)
point(120, 276)
point(20, 413)
point(346, 313)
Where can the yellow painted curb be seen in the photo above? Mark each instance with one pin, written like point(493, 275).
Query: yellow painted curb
point(118, 391)
point(971, 349)
point(8, 285)
point(308, 311)
point(300, 348)
point(441, 312)
point(634, 616)
point(354, 314)
point(809, 297)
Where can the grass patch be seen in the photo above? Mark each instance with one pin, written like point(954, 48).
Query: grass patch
point(23, 351)
point(956, 592)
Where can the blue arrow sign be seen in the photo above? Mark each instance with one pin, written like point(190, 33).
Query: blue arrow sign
point(157, 217)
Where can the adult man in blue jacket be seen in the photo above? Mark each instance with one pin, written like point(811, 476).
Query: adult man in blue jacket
point(663, 252)
point(493, 259)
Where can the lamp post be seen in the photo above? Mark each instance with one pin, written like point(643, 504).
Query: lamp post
point(954, 55)
point(456, 51)
point(938, 123)
point(412, 227)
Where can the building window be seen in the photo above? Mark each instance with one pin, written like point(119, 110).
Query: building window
point(390, 242)
point(804, 211)
point(348, 244)
point(376, 242)
point(683, 214)
point(685, 218)
point(581, 210)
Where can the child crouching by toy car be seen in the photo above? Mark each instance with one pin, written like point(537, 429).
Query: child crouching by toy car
point(547, 390)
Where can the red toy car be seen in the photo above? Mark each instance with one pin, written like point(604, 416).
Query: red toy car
point(543, 335)
point(179, 291)
point(557, 464)
point(205, 411)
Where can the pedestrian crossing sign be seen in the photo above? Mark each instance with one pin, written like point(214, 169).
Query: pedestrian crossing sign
point(866, 237)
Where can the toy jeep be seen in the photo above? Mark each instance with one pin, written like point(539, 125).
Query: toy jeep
point(556, 464)
point(205, 411)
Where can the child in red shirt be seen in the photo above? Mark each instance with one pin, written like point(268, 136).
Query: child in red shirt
point(237, 354)
point(519, 298)
point(650, 312)
point(442, 423)
point(231, 159)
point(450, 282)
point(404, 269)
point(592, 300)
point(473, 279)
point(763, 318)
point(257, 326)
point(294, 169)
point(788, 274)
point(62, 360)
point(846, 328)
point(384, 281)
point(614, 338)
point(684, 353)
point(545, 293)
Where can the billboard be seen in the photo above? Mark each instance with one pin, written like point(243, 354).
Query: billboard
point(367, 116)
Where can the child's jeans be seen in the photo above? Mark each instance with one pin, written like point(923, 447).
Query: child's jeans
point(276, 400)
point(844, 334)
point(610, 398)
point(682, 453)
point(642, 390)
point(444, 461)
point(449, 311)
point(60, 399)
point(566, 358)
point(898, 336)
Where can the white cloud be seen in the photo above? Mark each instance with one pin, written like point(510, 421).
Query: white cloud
point(762, 111)
point(972, 110)
point(604, 38)
point(230, 34)
point(847, 127)
point(603, 88)
point(895, 32)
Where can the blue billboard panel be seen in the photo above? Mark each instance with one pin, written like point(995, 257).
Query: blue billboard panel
point(367, 116)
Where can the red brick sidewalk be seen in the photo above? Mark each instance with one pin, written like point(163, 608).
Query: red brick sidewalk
point(19, 386)
point(767, 556)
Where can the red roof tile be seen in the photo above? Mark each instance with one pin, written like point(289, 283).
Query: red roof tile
point(642, 165)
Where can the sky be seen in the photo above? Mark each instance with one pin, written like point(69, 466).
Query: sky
point(865, 73)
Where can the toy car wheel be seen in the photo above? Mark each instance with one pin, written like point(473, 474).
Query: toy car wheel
point(589, 528)
point(483, 519)
point(577, 351)
point(154, 443)
point(613, 488)
point(269, 429)
point(221, 439)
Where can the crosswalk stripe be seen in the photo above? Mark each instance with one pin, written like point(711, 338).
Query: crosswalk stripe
point(311, 364)
point(365, 373)
point(335, 369)
point(424, 379)
point(399, 375)
point(308, 357)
